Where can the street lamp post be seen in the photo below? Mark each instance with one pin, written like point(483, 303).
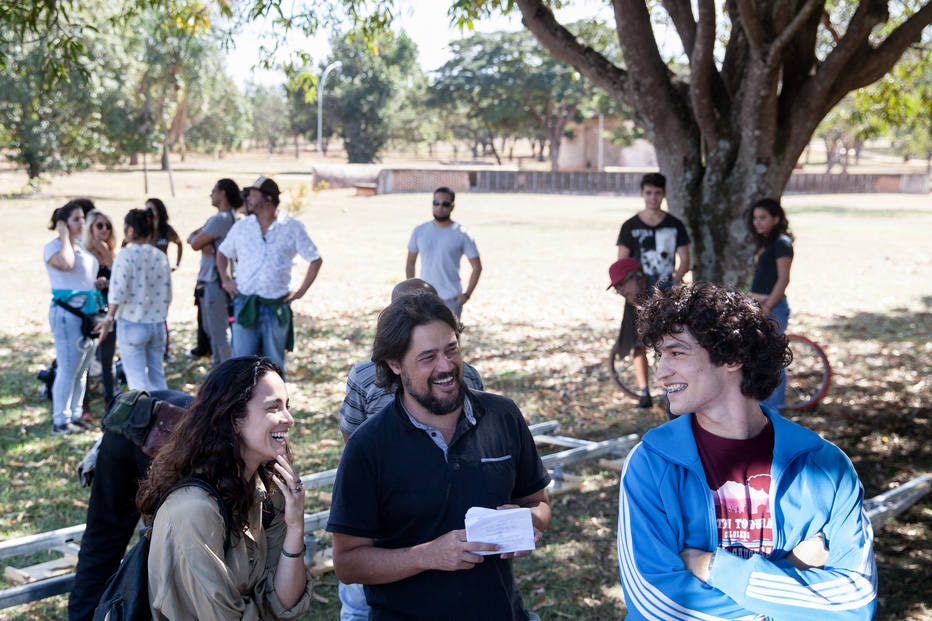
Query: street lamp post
point(320, 103)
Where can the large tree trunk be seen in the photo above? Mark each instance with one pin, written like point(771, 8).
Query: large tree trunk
point(730, 129)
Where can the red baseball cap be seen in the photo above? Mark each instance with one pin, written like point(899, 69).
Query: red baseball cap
point(620, 270)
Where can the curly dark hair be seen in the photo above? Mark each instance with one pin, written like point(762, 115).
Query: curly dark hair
point(206, 446)
point(393, 331)
point(775, 209)
point(726, 323)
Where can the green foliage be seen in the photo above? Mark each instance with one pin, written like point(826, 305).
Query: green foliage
point(49, 129)
point(269, 115)
point(506, 85)
point(143, 79)
point(370, 91)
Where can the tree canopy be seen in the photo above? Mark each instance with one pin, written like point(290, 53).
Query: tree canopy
point(729, 112)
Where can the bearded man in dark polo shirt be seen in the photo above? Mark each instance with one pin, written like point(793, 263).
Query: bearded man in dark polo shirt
point(409, 474)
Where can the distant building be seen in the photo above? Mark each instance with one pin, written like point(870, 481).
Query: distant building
point(581, 152)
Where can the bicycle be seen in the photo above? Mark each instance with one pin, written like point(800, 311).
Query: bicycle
point(808, 377)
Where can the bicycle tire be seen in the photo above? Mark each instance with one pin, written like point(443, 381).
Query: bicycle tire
point(808, 377)
point(621, 370)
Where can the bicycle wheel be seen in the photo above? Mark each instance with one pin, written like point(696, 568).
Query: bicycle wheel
point(809, 375)
point(621, 369)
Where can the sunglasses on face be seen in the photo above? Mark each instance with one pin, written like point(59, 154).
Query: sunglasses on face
point(102, 225)
point(443, 204)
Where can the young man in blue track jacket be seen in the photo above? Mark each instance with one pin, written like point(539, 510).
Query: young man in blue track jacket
point(731, 511)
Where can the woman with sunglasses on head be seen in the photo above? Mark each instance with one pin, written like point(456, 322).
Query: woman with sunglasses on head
point(100, 241)
point(241, 557)
point(72, 271)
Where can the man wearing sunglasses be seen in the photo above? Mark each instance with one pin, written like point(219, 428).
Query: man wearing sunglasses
point(442, 243)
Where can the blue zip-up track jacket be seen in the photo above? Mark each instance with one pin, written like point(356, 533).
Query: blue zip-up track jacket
point(665, 505)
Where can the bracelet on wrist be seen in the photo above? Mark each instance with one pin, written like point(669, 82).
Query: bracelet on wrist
point(287, 554)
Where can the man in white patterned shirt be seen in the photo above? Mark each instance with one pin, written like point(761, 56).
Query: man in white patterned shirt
point(262, 246)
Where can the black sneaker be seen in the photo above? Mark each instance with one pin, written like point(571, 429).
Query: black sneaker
point(62, 430)
point(80, 424)
point(645, 402)
point(197, 352)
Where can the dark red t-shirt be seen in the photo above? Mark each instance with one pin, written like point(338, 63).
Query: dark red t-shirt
point(738, 473)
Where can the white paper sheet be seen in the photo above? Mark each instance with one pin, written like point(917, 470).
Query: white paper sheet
point(511, 529)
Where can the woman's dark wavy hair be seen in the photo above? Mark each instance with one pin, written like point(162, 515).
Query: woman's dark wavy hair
point(775, 209)
point(164, 229)
point(205, 445)
point(393, 331)
point(141, 221)
point(726, 323)
point(233, 193)
point(61, 214)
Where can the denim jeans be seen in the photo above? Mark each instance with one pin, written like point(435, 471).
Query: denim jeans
point(265, 336)
point(141, 348)
point(781, 314)
point(74, 355)
point(353, 602)
point(216, 320)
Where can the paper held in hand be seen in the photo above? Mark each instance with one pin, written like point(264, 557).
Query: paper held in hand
point(511, 529)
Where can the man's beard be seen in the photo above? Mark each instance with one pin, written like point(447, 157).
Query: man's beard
point(445, 218)
point(437, 407)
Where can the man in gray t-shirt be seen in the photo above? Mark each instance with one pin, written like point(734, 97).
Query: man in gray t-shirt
point(212, 300)
point(442, 243)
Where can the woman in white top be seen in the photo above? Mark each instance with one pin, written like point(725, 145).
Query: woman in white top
point(139, 296)
point(72, 274)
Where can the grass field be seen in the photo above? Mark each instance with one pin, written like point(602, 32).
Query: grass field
point(538, 329)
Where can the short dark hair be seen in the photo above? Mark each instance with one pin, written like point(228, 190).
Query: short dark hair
point(655, 179)
point(444, 189)
point(142, 222)
point(231, 190)
point(728, 324)
point(393, 331)
point(61, 214)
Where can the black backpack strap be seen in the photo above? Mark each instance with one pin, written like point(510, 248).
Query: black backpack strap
point(210, 489)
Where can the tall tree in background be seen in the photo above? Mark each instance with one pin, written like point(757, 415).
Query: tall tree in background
point(509, 86)
point(270, 123)
point(761, 76)
point(50, 129)
point(370, 90)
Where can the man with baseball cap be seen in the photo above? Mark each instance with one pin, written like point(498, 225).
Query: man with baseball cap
point(263, 246)
point(627, 278)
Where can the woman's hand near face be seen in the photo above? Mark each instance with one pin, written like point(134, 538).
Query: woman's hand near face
point(289, 482)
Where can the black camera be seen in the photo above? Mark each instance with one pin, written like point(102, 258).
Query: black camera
point(47, 377)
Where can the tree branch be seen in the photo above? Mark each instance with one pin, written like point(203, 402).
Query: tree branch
point(868, 64)
point(681, 13)
point(752, 27)
point(703, 75)
point(799, 21)
point(564, 45)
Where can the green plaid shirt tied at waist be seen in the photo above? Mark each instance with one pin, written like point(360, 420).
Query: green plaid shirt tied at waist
point(248, 313)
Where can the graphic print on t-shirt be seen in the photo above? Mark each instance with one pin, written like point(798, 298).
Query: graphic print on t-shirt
point(657, 251)
point(742, 514)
